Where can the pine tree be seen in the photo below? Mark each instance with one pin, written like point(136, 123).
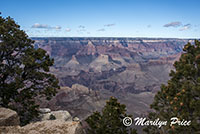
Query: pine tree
point(181, 96)
point(24, 71)
point(110, 120)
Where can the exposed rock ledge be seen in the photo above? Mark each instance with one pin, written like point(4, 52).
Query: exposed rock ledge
point(45, 127)
point(61, 124)
point(47, 114)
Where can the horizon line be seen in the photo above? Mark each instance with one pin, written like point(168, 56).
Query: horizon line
point(114, 37)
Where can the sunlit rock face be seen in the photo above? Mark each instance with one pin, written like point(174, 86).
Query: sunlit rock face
point(131, 69)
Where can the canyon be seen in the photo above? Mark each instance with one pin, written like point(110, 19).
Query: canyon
point(90, 70)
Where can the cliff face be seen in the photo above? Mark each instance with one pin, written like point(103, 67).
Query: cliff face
point(123, 67)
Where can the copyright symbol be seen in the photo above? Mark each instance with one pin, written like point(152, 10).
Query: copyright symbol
point(127, 121)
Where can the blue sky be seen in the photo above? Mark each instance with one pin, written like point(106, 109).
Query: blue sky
point(105, 18)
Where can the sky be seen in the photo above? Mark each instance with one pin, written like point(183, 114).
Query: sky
point(105, 18)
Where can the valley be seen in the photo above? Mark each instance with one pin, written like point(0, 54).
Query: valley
point(90, 70)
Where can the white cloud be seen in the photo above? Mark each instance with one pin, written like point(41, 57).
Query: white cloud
point(101, 30)
point(173, 24)
point(37, 25)
point(57, 27)
point(185, 27)
point(45, 26)
point(67, 29)
point(109, 25)
point(81, 26)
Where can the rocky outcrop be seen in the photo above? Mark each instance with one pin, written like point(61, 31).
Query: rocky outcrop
point(45, 127)
point(8, 117)
point(61, 123)
point(61, 115)
point(44, 110)
point(47, 114)
point(80, 88)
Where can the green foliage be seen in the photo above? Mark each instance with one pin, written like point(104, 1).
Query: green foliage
point(23, 71)
point(110, 121)
point(52, 117)
point(181, 96)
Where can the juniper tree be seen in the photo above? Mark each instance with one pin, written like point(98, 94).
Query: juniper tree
point(24, 71)
point(110, 121)
point(181, 96)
